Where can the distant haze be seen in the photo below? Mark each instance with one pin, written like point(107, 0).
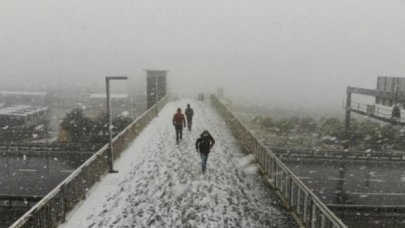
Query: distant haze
point(286, 53)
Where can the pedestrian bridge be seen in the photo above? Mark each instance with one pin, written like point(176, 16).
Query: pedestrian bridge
point(160, 184)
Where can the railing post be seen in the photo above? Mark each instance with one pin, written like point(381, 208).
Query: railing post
point(287, 192)
point(314, 216)
point(323, 221)
point(278, 178)
point(299, 211)
point(274, 171)
point(292, 193)
point(282, 180)
point(265, 161)
point(62, 211)
point(306, 205)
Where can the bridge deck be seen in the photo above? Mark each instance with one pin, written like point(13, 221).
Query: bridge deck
point(159, 183)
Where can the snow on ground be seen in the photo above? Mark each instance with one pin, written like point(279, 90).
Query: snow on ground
point(160, 183)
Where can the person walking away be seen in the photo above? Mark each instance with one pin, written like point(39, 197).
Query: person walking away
point(189, 114)
point(203, 145)
point(396, 114)
point(179, 122)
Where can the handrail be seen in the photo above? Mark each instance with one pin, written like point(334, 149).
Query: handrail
point(291, 152)
point(18, 197)
point(45, 153)
point(382, 111)
point(49, 147)
point(52, 208)
point(307, 207)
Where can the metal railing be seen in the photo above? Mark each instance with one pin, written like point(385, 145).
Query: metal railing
point(10, 201)
point(300, 153)
point(54, 147)
point(381, 111)
point(307, 207)
point(372, 109)
point(52, 209)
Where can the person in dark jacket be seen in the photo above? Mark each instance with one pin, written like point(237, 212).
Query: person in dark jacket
point(179, 122)
point(189, 114)
point(396, 114)
point(203, 145)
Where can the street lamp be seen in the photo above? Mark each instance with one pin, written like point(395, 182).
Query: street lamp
point(110, 153)
point(157, 95)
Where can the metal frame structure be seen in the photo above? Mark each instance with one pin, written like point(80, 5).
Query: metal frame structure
point(309, 210)
point(399, 96)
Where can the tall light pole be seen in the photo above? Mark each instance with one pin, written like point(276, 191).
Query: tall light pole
point(110, 152)
point(157, 95)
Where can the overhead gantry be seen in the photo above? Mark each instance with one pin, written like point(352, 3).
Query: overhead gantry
point(391, 96)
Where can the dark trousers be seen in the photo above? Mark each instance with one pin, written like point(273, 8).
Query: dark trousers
point(189, 123)
point(204, 159)
point(179, 132)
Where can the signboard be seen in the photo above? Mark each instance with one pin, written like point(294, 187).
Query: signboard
point(389, 84)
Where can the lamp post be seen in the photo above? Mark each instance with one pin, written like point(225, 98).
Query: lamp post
point(157, 95)
point(110, 152)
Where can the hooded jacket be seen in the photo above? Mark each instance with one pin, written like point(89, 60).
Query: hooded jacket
point(205, 142)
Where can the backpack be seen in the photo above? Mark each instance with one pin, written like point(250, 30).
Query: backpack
point(204, 142)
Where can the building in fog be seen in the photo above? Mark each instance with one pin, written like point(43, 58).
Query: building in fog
point(23, 98)
point(156, 87)
point(96, 105)
point(19, 122)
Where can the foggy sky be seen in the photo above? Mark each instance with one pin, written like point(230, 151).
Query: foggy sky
point(283, 52)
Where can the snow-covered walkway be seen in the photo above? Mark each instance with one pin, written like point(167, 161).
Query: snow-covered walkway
point(160, 184)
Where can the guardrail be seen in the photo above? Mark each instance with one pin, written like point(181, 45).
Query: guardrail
point(307, 207)
point(52, 209)
point(291, 153)
point(373, 110)
point(48, 154)
point(54, 147)
point(9, 201)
